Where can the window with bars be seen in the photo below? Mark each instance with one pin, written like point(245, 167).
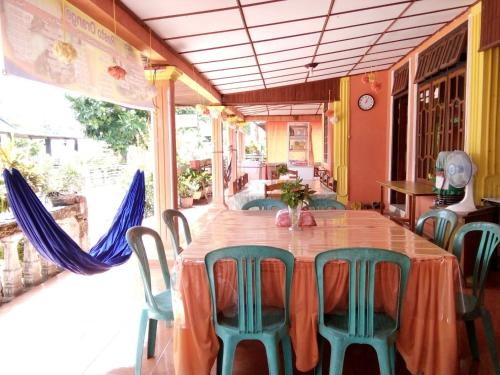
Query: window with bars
point(440, 119)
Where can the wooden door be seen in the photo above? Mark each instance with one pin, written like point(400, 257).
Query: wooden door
point(399, 132)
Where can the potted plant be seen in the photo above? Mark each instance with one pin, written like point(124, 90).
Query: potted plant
point(295, 194)
point(281, 169)
point(186, 187)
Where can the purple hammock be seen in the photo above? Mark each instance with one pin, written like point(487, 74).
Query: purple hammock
point(54, 244)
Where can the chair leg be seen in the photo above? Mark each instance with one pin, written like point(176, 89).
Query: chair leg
point(140, 342)
point(337, 357)
point(228, 355)
point(471, 335)
point(383, 355)
point(219, 357)
point(287, 354)
point(318, 370)
point(272, 355)
point(392, 357)
point(153, 323)
point(490, 338)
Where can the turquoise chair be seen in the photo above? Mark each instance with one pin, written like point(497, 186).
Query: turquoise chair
point(473, 304)
point(445, 223)
point(158, 306)
point(360, 324)
point(325, 204)
point(169, 219)
point(253, 321)
point(264, 204)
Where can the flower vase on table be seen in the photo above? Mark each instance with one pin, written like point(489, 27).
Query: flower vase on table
point(294, 213)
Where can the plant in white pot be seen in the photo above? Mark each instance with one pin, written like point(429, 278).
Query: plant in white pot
point(186, 189)
point(295, 194)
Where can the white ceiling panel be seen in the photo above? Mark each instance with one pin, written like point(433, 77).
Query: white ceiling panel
point(197, 23)
point(227, 91)
point(222, 81)
point(219, 65)
point(364, 16)
point(337, 64)
point(355, 31)
point(232, 72)
point(286, 43)
point(279, 12)
point(314, 106)
point(409, 33)
point(433, 5)
point(349, 5)
point(368, 64)
point(230, 86)
point(278, 73)
point(426, 19)
point(279, 112)
point(396, 45)
point(219, 54)
point(341, 55)
point(285, 64)
point(347, 44)
point(383, 55)
point(209, 41)
point(286, 55)
point(294, 82)
point(321, 78)
point(286, 29)
point(287, 78)
point(333, 70)
point(161, 8)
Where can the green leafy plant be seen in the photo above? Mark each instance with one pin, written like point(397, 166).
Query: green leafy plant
point(294, 192)
point(281, 169)
point(188, 183)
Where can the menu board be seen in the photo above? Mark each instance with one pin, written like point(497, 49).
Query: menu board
point(32, 28)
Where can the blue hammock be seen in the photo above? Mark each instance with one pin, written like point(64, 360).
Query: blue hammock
point(53, 243)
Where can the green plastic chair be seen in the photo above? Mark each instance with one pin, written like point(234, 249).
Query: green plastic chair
point(445, 223)
point(253, 322)
point(264, 204)
point(169, 216)
point(361, 324)
point(158, 306)
point(473, 304)
point(325, 204)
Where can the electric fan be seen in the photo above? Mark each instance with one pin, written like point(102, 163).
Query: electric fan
point(460, 170)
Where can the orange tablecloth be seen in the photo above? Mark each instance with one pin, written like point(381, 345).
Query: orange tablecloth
point(428, 336)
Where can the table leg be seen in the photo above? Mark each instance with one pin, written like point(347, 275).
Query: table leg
point(412, 213)
point(381, 200)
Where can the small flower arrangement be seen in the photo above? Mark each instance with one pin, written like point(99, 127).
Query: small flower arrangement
point(295, 193)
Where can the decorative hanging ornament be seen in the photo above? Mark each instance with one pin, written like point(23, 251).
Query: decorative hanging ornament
point(64, 51)
point(365, 79)
point(116, 71)
point(375, 86)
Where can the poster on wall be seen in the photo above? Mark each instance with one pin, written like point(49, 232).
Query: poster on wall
point(75, 52)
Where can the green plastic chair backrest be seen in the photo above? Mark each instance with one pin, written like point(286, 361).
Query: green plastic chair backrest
point(490, 238)
point(135, 236)
point(362, 263)
point(169, 216)
point(445, 223)
point(325, 204)
point(248, 264)
point(264, 204)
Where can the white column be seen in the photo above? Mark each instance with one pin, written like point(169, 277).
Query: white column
point(12, 273)
point(32, 268)
point(217, 163)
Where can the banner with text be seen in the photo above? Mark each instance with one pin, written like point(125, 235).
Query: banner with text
point(78, 54)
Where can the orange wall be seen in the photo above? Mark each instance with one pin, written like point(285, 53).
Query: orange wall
point(368, 140)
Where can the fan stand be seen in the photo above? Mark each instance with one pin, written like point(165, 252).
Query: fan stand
point(467, 203)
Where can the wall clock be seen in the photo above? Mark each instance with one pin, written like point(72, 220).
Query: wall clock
point(366, 102)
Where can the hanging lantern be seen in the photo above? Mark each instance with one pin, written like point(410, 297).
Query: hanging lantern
point(375, 86)
point(365, 79)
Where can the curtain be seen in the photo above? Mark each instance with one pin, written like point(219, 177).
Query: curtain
point(277, 141)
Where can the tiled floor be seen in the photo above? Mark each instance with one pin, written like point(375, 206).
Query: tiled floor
point(87, 325)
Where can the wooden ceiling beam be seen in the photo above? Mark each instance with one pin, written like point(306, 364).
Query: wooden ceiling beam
point(135, 32)
point(307, 118)
point(310, 92)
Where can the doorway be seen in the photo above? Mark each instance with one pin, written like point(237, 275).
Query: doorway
point(398, 158)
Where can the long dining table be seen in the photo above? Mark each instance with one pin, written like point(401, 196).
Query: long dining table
point(428, 336)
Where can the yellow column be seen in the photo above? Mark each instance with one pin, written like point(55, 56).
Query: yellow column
point(482, 139)
point(217, 163)
point(164, 148)
point(341, 143)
